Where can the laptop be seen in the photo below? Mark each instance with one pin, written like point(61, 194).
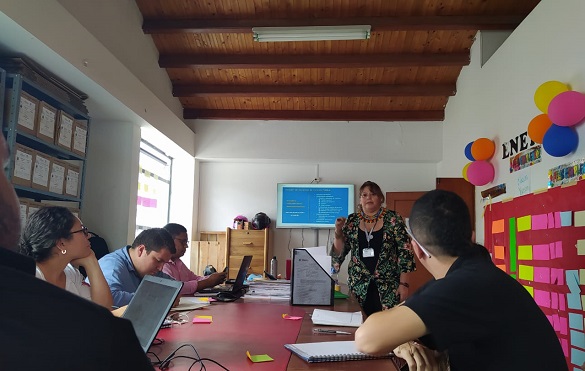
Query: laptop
point(238, 288)
point(150, 305)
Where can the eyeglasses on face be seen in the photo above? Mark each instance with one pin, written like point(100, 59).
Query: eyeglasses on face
point(185, 242)
point(83, 229)
point(409, 231)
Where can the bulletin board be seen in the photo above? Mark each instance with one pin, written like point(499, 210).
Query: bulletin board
point(539, 239)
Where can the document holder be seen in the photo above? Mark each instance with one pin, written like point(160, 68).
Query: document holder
point(310, 283)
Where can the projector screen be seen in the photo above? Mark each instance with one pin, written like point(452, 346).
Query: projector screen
point(313, 205)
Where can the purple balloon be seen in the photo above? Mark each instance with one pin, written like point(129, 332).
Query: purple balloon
point(480, 173)
point(567, 108)
point(559, 141)
point(468, 152)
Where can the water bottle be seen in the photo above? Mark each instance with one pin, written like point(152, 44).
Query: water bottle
point(274, 267)
point(335, 278)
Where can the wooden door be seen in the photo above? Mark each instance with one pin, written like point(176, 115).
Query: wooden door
point(402, 203)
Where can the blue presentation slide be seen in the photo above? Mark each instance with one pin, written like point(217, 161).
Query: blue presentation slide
point(313, 205)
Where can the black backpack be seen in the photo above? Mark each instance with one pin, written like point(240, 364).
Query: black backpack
point(99, 247)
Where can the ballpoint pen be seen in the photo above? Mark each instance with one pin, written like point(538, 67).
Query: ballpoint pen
point(324, 331)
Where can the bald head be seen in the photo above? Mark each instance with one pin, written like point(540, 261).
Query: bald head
point(9, 206)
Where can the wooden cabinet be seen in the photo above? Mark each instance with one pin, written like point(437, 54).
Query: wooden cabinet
point(241, 242)
point(210, 249)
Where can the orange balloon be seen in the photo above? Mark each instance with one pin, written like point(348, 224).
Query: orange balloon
point(538, 126)
point(464, 172)
point(483, 149)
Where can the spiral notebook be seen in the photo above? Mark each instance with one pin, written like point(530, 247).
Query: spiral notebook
point(331, 351)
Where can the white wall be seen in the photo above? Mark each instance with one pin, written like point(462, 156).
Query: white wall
point(496, 101)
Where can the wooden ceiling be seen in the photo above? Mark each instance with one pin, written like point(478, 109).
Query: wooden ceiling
point(406, 71)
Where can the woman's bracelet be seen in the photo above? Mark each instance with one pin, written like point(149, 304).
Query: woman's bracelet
point(405, 284)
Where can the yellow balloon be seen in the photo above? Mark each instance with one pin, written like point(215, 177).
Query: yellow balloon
point(464, 172)
point(546, 92)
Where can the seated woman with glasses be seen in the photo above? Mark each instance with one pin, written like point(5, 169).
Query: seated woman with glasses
point(58, 242)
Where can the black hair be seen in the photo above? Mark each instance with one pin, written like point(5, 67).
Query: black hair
point(155, 239)
point(175, 229)
point(43, 229)
point(440, 222)
point(374, 188)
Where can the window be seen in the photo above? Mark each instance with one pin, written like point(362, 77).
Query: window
point(154, 188)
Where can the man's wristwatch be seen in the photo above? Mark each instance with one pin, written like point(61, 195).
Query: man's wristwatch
point(405, 284)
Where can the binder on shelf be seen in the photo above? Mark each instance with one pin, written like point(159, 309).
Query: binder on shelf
point(310, 283)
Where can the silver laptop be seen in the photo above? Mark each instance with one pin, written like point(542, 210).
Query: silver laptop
point(150, 305)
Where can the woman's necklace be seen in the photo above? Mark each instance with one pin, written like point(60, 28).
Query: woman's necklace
point(372, 219)
point(368, 252)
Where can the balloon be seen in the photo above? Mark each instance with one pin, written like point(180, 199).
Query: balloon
point(546, 92)
point(559, 141)
point(538, 126)
point(480, 173)
point(483, 149)
point(464, 171)
point(468, 152)
point(567, 108)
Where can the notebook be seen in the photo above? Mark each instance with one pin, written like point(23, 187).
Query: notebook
point(238, 286)
point(150, 305)
point(331, 351)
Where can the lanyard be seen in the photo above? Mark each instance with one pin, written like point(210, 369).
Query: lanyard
point(369, 234)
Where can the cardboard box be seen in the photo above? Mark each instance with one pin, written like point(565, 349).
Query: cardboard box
point(22, 165)
point(79, 137)
point(23, 211)
point(57, 176)
point(64, 136)
point(47, 122)
point(28, 107)
point(41, 167)
point(32, 207)
point(72, 178)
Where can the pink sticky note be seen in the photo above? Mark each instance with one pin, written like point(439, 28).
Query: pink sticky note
point(292, 318)
point(550, 319)
point(556, 323)
point(553, 276)
point(551, 220)
point(565, 346)
point(554, 300)
point(202, 320)
point(541, 252)
point(564, 324)
point(539, 221)
point(562, 302)
point(553, 250)
point(558, 219)
point(559, 249)
point(542, 274)
point(542, 298)
point(560, 277)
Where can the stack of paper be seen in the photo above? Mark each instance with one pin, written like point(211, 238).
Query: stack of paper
point(333, 318)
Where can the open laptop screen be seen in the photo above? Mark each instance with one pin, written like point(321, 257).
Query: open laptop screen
point(149, 307)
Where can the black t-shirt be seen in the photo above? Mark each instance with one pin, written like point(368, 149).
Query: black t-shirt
point(43, 327)
point(486, 320)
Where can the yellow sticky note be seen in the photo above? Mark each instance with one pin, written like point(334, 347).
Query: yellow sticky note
point(524, 223)
point(526, 272)
point(579, 218)
point(499, 252)
point(582, 277)
point(259, 357)
point(525, 252)
point(498, 226)
point(580, 247)
point(530, 290)
point(583, 304)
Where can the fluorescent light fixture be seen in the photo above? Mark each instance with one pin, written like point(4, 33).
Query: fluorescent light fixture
point(312, 33)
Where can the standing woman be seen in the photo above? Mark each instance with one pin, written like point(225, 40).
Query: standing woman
point(58, 242)
point(380, 249)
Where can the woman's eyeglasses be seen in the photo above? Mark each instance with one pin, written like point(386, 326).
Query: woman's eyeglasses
point(83, 229)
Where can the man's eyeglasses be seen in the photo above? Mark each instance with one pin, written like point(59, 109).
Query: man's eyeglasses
point(184, 242)
point(409, 231)
point(83, 229)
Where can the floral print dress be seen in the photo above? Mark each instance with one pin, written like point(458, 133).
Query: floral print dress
point(396, 257)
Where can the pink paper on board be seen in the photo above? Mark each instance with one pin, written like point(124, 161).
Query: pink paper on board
point(542, 298)
point(554, 300)
point(564, 324)
point(550, 319)
point(553, 250)
point(541, 252)
point(565, 346)
point(542, 274)
point(562, 302)
point(556, 323)
point(560, 277)
point(559, 249)
point(551, 220)
point(558, 219)
point(539, 221)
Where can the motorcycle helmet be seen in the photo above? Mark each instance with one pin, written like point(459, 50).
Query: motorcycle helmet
point(261, 221)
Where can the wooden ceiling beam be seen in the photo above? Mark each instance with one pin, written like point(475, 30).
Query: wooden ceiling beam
point(294, 115)
point(406, 23)
point(314, 61)
point(210, 91)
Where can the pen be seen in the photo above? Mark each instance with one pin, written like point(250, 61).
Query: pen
point(323, 331)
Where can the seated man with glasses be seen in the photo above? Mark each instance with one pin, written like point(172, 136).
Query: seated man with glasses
point(179, 271)
point(59, 244)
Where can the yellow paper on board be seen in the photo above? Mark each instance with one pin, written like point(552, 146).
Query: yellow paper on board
point(580, 247)
point(579, 218)
point(525, 252)
point(526, 272)
point(524, 223)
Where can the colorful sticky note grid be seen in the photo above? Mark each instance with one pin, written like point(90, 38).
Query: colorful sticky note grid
point(579, 218)
point(526, 272)
point(259, 357)
point(499, 252)
point(202, 319)
point(524, 223)
point(541, 252)
point(498, 226)
point(539, 221)
point(525, 252)
point(566, 218)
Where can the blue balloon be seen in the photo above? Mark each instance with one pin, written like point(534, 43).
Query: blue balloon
point(559, 141)
point(468, 152)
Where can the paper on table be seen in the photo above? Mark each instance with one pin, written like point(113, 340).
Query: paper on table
point(333, 318)
point(188, 303)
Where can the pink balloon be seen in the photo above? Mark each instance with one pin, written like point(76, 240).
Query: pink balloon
point(567, 108)
point(480, 173)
